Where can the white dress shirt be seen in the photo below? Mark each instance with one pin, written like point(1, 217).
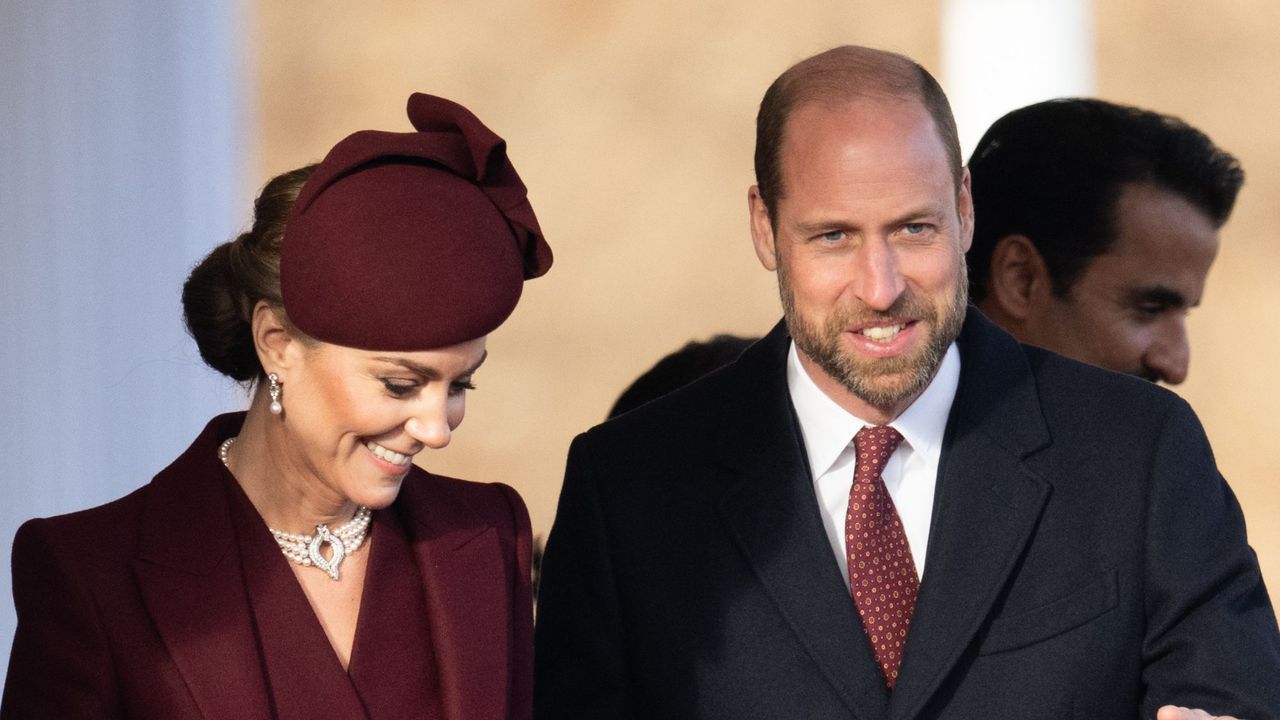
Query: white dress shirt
point(912, 471)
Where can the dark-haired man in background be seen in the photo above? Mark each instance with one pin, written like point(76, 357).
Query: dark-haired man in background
point(1096, 227)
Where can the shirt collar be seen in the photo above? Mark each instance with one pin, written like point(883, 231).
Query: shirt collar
point(828, 429)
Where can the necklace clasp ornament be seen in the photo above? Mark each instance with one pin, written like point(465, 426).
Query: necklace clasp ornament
point(321, 538)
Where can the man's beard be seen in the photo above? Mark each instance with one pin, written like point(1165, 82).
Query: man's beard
point(880, 382)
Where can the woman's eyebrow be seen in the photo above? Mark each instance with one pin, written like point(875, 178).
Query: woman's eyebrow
point(427, 372)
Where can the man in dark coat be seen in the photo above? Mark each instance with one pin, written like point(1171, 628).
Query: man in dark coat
point(888, 508)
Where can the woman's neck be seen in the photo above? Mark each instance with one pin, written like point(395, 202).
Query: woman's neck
point(287, 494)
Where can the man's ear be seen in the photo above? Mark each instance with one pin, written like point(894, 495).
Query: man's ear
point(276, 346)
point(964, 208)
point(762, 230)
point(1019, 277)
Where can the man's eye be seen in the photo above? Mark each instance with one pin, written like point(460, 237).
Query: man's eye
point(832, 236)
point(1156, 308)
point(1149, 312)
point(915, 228)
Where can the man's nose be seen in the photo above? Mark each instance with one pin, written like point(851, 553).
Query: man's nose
point(878, 278)
point(1169, 357)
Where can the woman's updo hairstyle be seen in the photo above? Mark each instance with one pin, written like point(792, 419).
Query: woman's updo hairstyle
point(219, 296)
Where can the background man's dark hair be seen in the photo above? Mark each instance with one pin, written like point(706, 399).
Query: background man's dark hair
point(679, 369)
point(1052, 172)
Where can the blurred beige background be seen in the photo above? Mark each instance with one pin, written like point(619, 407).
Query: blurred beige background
point(632, 124)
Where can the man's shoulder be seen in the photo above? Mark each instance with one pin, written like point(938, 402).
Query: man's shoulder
point(691, 422)
point(1028, 396)
point(1079, 389)
point(1086, 406)
point(999, 371)
point(689, 410)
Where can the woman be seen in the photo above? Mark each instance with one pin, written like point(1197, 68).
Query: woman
point(293, 562)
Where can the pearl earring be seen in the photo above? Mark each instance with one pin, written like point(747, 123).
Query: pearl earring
point(274, 391)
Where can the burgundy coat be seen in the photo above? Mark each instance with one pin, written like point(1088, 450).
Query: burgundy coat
point(138, 608)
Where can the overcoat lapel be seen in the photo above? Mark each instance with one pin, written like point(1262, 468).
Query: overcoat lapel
point(769, 507)
point(986, 507)
point(468, 598)
point(190, 579)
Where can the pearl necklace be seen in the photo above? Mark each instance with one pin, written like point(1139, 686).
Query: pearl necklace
point(305, 549)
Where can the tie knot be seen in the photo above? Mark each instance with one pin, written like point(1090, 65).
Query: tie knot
point(874, 445)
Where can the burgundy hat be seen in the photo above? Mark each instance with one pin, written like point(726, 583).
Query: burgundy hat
point(411, 241)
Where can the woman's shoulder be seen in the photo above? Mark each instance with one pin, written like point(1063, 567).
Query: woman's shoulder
point(96, 519)
point(114, 528)
point(446, 499)
point(94, 535)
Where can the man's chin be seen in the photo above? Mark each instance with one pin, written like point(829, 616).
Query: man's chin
point(885, 390)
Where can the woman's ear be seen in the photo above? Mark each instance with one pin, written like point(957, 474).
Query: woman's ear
point(1018, 276)
point(277, 347)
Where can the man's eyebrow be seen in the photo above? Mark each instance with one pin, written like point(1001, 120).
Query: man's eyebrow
point(1159, 294)
point(821, 226)
point(427, 372)
point(923, 212)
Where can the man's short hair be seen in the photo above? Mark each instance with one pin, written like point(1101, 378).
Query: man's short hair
point(1053, 171)
point(837, 75)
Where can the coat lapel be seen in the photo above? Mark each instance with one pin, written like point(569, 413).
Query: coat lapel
point(468, 598)
point(986, 507)
point(770, 509)
point(190, 579)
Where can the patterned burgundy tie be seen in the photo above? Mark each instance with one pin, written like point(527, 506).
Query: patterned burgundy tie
point(882, 575)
